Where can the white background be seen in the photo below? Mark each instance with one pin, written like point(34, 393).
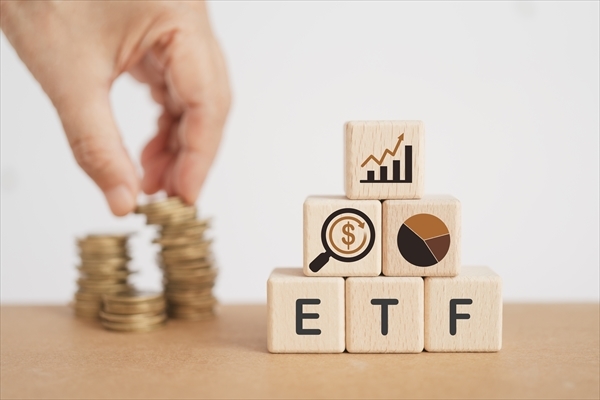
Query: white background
point(508, 93)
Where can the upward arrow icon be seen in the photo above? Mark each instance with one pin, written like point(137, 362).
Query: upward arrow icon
point(392, 153)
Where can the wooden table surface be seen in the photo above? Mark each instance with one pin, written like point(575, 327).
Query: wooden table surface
point(550, 351)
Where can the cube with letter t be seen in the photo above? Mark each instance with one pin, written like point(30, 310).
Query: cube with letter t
point(305, 315)
point(384, 315)
point(464, 313)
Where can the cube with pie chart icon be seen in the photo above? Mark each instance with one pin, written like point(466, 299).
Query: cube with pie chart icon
point(421, 237)
point(342, 237)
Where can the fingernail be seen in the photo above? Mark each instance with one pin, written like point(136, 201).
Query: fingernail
point(120, 200)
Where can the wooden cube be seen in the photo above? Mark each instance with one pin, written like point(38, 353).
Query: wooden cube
point(464, 313)
point(384, 159)
point(305, 315)
point(384, 315)
point(421, 237)
point(342, 237)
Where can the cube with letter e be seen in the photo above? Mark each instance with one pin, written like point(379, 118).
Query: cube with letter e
point(305, 315)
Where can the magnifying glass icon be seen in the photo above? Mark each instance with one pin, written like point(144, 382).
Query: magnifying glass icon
point(347, 235)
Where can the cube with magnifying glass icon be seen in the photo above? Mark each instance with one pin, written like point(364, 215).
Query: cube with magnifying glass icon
point(342, 237)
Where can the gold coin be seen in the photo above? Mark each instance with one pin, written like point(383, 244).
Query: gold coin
point(181, 241)
point(135, 319)
point(160, 204)
point(102, 280)
point(200, 303)
point(190, 273)
point(181, 297)
point(184, 256)
point(175, 209)
point(104, 264)
point(131, 328)
point(185, 225)
point(102, 269)
point(184, 287)
point(170, 210)
point(102, 244)
point(135, 308)
point(197, 248)
point(87, 283)
point(184, 265)
point(100, 251)
point(134, 297)
point(107, 259)
point(98, 276)
point(175, 230)
point(100, 237)
point(171, 219)
point(107, 289)
point(96, 254)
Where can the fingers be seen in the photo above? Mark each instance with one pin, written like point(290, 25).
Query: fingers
point(94, 138)
point(187, 75)
point(157, 156)
point(197, 78)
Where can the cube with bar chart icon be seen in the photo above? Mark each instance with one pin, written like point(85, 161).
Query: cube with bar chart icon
point(384, 159)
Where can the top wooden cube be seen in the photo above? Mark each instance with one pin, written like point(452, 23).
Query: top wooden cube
point(384, 159)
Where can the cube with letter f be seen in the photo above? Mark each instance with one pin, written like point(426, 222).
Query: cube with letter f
point(464, 313)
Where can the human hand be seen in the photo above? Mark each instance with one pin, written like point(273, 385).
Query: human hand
point(77, 49)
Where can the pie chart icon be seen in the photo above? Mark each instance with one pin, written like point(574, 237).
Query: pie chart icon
point(423, 240)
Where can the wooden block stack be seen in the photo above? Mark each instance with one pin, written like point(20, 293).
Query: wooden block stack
point(381, 269)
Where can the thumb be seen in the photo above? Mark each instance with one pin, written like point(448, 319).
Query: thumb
point(97, 146)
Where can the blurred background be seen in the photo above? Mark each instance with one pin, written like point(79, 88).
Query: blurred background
point(508, 91)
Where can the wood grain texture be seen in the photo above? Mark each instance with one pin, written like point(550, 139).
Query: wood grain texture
point(287, 286)
point(398, 212)
point(399, 328)
point(550, 351)
point(370, 145)
point(482, 331)
point(316, 211)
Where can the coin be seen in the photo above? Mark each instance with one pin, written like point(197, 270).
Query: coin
point(149, 318)
point(100, 275)
point(135, 308)
point(179, 241)
point(194, 304)
point(159, 205)
point(115, 326)
point(189, 296)
point(104, 264)
point(103, 269)
point(186, 226)
point(185, 265)
point(185, 258)
point(133, 297)
point(133, 311)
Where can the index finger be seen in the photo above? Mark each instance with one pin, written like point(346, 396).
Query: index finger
point(196, 76)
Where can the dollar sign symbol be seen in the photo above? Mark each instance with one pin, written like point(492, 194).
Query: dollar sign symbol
point(350, 238)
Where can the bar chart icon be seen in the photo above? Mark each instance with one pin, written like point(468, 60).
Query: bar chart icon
point(396, 166)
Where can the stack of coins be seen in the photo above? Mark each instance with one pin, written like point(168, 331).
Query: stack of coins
point(133, 311)
point(185, 258)
point(103, 269)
